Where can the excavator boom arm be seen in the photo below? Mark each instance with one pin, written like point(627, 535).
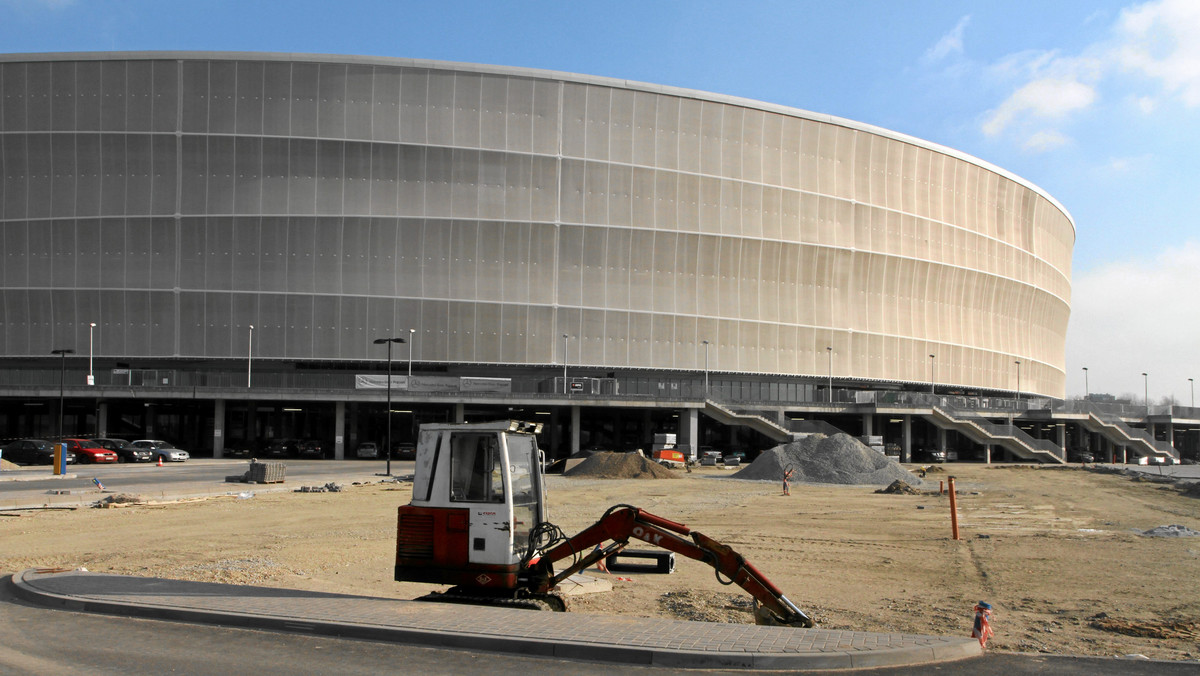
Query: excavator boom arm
point(623, 522)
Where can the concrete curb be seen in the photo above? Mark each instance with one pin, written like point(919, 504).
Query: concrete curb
point(593, 638)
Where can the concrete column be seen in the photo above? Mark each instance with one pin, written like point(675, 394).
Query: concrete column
point(219, 428)
point(1171, 433)
point(1062, 436)
point(906, 448)
point(1152, 429)
point(459, 413)
point(102, 419)
point(339, 430)
point(941, 432)
point(1124, 454)
point(689, 432)
point(574, 430)
point(987, 454)
point(868, 424)
point(148, 420)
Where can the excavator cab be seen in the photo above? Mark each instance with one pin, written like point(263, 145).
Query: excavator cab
point(477, 493)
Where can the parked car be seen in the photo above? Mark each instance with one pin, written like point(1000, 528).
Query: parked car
point(1081, 456)
point(237, 448)
point(367, 449)
point(163, 450)
point(88, 451)
point(406, 451)
point(278, 448)
point(32, 452)
point(310, 448)
point(125, 451)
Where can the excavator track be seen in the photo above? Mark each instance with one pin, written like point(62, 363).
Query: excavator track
point(548, 602)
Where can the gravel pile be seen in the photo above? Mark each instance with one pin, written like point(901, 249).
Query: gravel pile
point(619, 466)
point(837, 459)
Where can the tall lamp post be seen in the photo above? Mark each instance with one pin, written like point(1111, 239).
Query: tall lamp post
point(62, 377)
point(412, 340)
point(1192, 386)
point(91, 353)
point(933, 374)
point(564, 358)
point(829, 351)
point(1146, 391)
point(1018, 363)
point(388, 451)
point(1087, 393)
point(705, 368)
point(249, 356)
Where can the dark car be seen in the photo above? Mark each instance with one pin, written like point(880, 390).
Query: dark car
point(278, 448)
point(88, 451)
point(125, 451)
point(32, 452)
point(405, 451)
point(310, 448)
point(238, 448)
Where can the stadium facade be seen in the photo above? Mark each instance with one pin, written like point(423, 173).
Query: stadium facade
point(507, 223)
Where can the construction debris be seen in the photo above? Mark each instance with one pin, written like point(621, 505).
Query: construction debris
point(330, 487)
point(898, 487)
point(1148, 629)
point(1172, 531)
point(119, 500)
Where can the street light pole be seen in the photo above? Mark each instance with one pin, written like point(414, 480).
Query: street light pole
point(91, 353)
point(564, 358)
point(62, 377)
point(1192, 385)
point(829, 350)
point(412, 340)
point(933, 374)
point(705, 368)
point(1146, 394)
point(388, 451)
point(250, 356)
point(1087, 393)
point(1018, 363)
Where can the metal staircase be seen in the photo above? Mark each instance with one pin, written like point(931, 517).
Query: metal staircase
point(758, 423)
point(1138, 441)
point(1006, 436)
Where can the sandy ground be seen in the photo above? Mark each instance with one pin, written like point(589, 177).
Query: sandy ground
point(1056, 552)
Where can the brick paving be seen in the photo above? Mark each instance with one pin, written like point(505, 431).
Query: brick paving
point(604, 638)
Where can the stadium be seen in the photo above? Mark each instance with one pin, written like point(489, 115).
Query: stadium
point(223, 249)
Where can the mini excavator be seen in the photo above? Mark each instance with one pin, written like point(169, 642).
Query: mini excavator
point(477, 521)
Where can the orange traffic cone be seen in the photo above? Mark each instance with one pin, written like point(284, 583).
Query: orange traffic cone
point(160, 461)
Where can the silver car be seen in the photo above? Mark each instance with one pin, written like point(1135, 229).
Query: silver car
point(163, 450)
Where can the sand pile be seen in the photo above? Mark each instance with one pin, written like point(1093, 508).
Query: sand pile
point(837, 459)
point(619, 466)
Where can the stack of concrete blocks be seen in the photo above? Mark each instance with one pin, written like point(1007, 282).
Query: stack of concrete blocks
point(875, 441)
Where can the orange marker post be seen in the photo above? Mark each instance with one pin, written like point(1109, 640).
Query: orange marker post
point(953, 511)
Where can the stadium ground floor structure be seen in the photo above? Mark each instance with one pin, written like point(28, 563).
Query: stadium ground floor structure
point(213, 412)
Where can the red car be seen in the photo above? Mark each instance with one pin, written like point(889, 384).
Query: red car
point(86, 450)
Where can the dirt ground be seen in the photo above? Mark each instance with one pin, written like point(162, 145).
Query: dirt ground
point(1057, 552)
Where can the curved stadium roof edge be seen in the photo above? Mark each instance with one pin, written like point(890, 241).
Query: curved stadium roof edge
point(544, 74)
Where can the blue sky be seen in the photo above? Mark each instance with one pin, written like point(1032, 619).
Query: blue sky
point(1097, 102)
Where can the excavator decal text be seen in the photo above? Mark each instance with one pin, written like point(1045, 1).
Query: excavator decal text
point(641, 534)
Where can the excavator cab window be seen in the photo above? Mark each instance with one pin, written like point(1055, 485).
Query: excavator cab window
point(476, 473)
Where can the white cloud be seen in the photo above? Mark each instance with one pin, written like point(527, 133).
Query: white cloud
point(950, 43)
point(1158, 43)
point(1161, 40)
point(1148, 295)
point(1044, 98)
point(1047, 139)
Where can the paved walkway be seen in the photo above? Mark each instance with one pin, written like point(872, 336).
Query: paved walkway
point(580, 636)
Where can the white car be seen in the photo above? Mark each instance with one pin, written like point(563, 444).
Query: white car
point(160, 449)
point(367, 449)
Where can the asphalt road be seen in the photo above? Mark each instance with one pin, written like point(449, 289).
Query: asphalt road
point(36, 640)
point(36, 486)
